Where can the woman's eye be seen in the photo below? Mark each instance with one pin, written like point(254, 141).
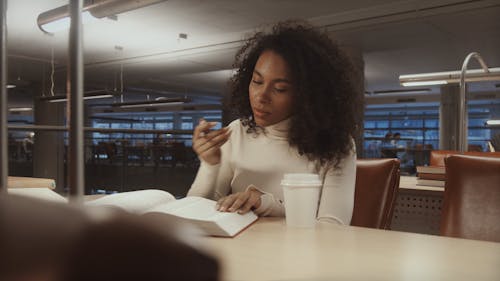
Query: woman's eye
point(257, 82)
point(280, 90)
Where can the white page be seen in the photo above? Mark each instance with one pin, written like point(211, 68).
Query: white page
point(192, 207)
point(202, 212)
point(41, 193)
point(134, 201)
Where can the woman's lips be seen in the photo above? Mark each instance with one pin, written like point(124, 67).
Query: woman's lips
point(260, 113)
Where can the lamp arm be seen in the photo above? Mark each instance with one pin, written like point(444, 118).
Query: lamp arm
point(463, 118)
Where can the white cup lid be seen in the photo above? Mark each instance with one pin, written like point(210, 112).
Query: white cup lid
point(301, 179)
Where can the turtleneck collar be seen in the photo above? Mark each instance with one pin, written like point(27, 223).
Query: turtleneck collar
point(278, 130)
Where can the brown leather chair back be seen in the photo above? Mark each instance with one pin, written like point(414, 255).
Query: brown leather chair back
point(483, 154)
point(471, 205)
point(377, 183)
point(437, 156)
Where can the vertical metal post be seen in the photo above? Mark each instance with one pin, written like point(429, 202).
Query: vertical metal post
point(75, 104)
point(463, 116)
point(4, 157)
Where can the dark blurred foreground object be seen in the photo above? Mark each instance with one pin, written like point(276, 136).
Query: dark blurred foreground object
point(46, 241)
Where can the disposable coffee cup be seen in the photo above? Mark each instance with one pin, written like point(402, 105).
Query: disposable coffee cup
point(301, 192)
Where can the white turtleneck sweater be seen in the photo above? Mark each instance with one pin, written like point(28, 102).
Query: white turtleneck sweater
point(260, 160)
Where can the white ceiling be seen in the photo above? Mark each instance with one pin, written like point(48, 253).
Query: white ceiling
point(393, 37)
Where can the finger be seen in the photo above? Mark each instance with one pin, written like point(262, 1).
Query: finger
point(203, 127)
point(200, 141)
point(210, 150)
point(241, 199)
point(225, 202)
point(214, 143)
point(203, 138)
point(214, 133)
point(251, 202)
point(199, 127)
point(219, 202)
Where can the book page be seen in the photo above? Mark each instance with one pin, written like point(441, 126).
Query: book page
point(192, 207)
point(202, 213)
point(134, 201)
point(41, 193)
point(29, 182)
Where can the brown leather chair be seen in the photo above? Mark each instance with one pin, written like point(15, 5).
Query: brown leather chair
point(483, 154)
point(471, 205)
point(438, 156)
point(377, 183)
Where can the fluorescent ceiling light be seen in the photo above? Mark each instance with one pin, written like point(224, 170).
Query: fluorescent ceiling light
point(20, 109)
point(493, 122)
point(424, 83)
point(402, 91)
point(440, 78)
point(10, 86)
point(86, 96)
point(160, 102)
point(150, 104)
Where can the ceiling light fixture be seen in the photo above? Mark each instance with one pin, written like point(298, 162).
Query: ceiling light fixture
point(493, 122)
point(462, 77)
point(20, 109)
point(100, 94)
point(403, 91)
point(448, 77)
point(58, 19)
point(11, 86)
point(148, 103)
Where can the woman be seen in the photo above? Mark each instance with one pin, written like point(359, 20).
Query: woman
point(298, 108)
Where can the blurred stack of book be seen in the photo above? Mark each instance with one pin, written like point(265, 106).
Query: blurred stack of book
point(431, 175)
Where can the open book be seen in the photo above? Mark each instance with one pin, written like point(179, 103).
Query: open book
point(41, 193)
point(195, 210)
point(17, 182)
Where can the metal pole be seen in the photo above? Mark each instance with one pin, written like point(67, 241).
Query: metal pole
point(462, 116)
point(75, 105)
point(4, 165)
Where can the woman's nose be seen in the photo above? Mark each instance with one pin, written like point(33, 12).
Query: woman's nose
point(264, 95)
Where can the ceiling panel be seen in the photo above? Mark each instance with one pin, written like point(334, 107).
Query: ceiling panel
point(393, 37)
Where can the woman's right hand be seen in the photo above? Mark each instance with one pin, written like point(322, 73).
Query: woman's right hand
point(207, 143)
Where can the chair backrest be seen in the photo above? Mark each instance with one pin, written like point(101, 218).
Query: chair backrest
point(438, 156)
point(471, 205)
point(377, 183)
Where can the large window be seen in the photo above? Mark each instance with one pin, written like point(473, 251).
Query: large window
point(418, 126)
point(151, 121)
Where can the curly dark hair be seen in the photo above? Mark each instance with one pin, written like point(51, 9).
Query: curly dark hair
point(328, 102)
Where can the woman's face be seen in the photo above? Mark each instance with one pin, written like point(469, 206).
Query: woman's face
point(271, 90)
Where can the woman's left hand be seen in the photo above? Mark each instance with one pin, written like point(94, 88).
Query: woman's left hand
point(242, 202)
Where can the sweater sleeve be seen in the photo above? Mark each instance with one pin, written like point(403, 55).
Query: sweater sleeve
point(337, 196)
point(214, 181)
point(269, 205)
point(204, 183)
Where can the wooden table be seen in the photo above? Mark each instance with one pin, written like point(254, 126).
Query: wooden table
point(269, 250)
point(417, 208)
